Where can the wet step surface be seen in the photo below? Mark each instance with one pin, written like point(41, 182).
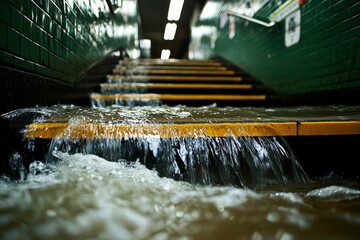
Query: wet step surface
point(155, 82)
point(171, 87)
point(183, 121)
point(121, 78)
point(105, 172)
point(319, 135)
point(172, 82)
point(131, 107)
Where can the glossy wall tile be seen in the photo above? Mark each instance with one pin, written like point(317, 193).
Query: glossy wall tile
point(313, 46)
point(62, 39)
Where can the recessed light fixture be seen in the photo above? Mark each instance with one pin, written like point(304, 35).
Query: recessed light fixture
point(170, 30)
point(175, 8)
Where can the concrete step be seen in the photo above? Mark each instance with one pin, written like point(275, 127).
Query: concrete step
point(179, 62)
point(154, 82)
point(170, 67)
point(207, 72)
point(176, 97)
point(174, 78)
point(174, 88)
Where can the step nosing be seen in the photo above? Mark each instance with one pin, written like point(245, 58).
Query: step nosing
point(178, 97)
point(174, 78)
point(174, 86)
point(48, 130)
point(180, 72)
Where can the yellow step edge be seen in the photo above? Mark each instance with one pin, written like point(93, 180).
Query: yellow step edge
point(176, 97)
point(329, 128)
point(119, 131)
point(170, 67)
point(174, 85)
point(174, 78)
point(241, 129)
point(172, 60)
point(169, 62)
point(182, 72)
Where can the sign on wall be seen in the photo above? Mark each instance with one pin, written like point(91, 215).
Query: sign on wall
point(292, 28)
point(231, 27)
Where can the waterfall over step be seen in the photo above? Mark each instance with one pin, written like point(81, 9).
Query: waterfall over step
point(147, 113)
point(198, 145)
point(140, 115)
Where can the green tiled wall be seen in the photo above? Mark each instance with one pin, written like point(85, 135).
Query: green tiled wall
point(327, 56)
point(62, 39)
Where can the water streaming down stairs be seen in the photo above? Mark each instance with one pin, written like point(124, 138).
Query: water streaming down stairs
point(136, 117)
point(201, 159)
point(171, 82)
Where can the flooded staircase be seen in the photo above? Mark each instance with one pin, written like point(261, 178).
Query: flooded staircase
point(171, 82)
point(148, 112)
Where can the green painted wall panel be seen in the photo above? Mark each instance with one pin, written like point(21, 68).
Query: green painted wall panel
point(326, 57)
point(63, 38)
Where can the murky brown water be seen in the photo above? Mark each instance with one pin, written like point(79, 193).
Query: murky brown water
point(88, 197)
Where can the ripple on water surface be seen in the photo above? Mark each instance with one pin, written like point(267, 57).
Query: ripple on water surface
point(84, 196)
point(88, 197)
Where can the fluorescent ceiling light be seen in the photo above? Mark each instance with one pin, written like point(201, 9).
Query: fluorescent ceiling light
point(165, 54)
point(175, 8)
point(170, 30)
point(210, 10)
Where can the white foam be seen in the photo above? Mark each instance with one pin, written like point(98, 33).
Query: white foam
point(332, 191)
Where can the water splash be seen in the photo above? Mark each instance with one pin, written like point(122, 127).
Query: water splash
point(123, 100)
point(237, 161)
point(249, 162)
point(336, 193)
point(88, 197)
point(123, 87)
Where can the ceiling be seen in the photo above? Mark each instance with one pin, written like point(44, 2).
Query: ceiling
point(153, 16)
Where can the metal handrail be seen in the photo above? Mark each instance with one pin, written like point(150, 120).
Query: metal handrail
point(251, 19)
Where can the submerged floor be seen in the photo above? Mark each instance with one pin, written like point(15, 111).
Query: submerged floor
point(87, 197)
point(84, 196)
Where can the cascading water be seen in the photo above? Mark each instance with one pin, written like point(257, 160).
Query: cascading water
point(106, 188)
point(123, 101)
point(243, 161)
point(246, 162)
point(122, 88)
